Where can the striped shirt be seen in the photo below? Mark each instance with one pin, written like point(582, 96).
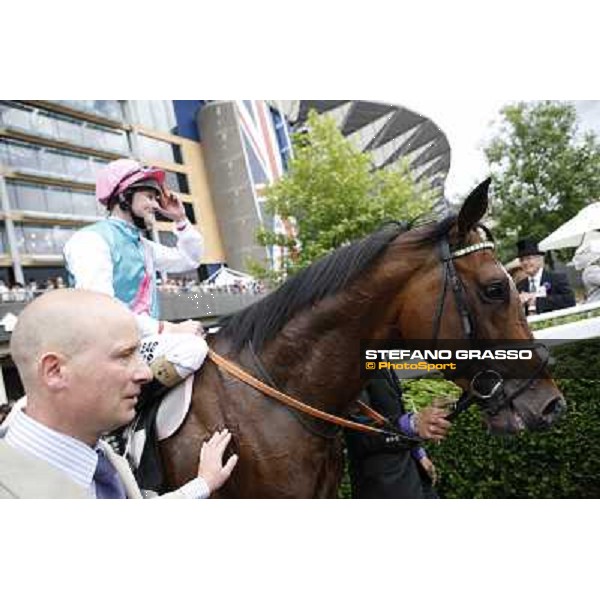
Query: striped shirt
point(65, 453)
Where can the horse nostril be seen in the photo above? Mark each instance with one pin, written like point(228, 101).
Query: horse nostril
point(554, 408)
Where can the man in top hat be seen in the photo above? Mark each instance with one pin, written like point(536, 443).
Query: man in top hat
point(541, 290)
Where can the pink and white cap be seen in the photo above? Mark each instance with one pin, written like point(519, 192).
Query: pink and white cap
point(119, 174)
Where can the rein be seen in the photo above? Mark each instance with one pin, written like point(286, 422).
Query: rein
point(291, 402)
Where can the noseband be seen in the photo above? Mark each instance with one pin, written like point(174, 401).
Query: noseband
point(487, 386)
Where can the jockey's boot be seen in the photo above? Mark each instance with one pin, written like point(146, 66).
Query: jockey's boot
point(149, 471)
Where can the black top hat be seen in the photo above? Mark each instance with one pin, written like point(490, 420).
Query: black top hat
point(527, 247)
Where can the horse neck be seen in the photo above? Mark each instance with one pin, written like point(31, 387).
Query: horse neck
point(316, 357)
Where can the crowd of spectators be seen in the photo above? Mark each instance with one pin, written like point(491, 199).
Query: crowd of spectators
point(189, 285)
point(25, 293)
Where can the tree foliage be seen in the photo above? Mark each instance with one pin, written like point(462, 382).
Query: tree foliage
point(544, 170)
point(333, 196)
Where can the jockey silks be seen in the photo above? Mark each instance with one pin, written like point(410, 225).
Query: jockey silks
point(134, 279)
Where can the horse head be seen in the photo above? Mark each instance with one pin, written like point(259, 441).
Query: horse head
point(460, 291)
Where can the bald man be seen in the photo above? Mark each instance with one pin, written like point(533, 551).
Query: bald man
point(78, 356)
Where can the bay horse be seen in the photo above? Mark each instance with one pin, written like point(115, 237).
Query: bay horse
point(304, 339)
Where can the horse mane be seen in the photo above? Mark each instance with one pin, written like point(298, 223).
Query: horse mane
point(263, 320)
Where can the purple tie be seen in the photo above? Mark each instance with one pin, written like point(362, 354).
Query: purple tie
point(106, 478)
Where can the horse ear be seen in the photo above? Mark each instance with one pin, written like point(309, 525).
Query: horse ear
point(474, 207)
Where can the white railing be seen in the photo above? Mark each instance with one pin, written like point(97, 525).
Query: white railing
point(564, 312)
point(571, 332)
point(583, 329)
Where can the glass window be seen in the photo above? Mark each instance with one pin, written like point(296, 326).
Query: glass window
point(151, 149)
point(92, 137)
point(156, 114)
point(3, 242)
point(164, 115)
point(70, 131)
point(145, 113)
point(4, 113)
point(20, 238)
point(52, 162)
point(182, 181)
point(109, 108)
point(53, 199)
point(114, 141)
point(38, 240)
point(189, 212)
point(94, 166)
point(15, 117)
point(23, 156)
point(84, 204)
point(177, 182)
point(28, 197)
point(4, 154)
point(171, 181)
point(85, 105)
point(11, 189)
point(42, 239)
point(61, 236)
point(106, 139)
point(78, 168)
point(59, 200)
point(44, 125)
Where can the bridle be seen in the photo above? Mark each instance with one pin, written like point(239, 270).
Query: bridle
point(493, 399)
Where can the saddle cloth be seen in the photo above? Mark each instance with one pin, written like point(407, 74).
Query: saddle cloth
point(169, 418)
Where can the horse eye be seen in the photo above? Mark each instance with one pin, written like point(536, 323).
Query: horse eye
point(496, 291)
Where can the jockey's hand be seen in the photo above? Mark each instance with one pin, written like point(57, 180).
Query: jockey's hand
point(194, 327)
point(430, 469)
point(171, 207)
point(211, 467)
point(431, 424)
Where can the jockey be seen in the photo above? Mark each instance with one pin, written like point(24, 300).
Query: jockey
point(113, 256)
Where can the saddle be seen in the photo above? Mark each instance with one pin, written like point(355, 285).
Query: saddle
point(157, 419)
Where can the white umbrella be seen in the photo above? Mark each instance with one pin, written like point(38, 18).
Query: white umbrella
point(571, 233)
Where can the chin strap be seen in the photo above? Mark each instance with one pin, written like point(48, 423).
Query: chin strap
point(124, 204)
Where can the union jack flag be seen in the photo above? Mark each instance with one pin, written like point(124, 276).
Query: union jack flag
point(267, 148)
point(261, 142)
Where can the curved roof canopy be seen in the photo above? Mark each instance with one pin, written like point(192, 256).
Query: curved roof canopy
point(389, 133)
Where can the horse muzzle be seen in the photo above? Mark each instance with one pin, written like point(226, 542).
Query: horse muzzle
point(538, 412)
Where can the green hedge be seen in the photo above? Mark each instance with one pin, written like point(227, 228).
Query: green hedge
point(561, 463)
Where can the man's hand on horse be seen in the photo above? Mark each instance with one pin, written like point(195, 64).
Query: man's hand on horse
point(211, 467)
point(431, 424)
point(171, 207)
point(189, 326)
